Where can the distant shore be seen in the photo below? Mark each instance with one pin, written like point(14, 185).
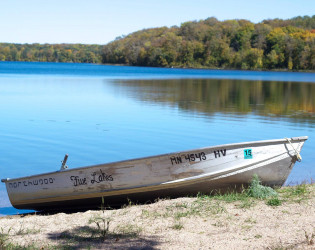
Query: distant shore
point(220, 222)
point(177, 67)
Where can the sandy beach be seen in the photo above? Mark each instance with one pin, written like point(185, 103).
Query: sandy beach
point(220, 222)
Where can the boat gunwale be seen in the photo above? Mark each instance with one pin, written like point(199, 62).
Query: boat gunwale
point(273, 141)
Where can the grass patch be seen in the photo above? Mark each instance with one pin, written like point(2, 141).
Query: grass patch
point(26, 231)
point(273, 197)
point(150, 214)
point(258, 236)
point(242, 198)
point(296, 193)
point(213, 204)
point(4, 237)
point(202, 206)
point(177, 226)
point(181, 214)
point(246, 203)
point(250, 220)
point(274, 202)
point(206, 205)
point(299, 190)
point(246, 198)
point(7, 245)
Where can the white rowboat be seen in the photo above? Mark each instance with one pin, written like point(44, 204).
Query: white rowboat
point(169, 175)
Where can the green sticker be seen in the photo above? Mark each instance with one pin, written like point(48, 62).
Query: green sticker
point(248, 154)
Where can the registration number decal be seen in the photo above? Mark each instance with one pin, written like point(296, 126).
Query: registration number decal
point(248, 154)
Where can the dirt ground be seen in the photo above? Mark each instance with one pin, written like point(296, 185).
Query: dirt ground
point(183, 223)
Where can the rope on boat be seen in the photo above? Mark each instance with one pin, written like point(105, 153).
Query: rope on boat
point(298, 156)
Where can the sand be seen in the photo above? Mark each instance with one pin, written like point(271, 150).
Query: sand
point(183, 223)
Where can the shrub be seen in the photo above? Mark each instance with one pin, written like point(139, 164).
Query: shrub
point(256, 190)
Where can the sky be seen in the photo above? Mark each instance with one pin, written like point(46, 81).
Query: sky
point(101, 21)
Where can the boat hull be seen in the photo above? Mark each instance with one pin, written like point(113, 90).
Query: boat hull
point(172, 175)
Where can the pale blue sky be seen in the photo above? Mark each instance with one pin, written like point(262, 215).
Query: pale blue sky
point(101, 21)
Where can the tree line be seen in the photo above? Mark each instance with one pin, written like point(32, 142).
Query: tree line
point(231, 44)
point(238, 44)
point(78, 53)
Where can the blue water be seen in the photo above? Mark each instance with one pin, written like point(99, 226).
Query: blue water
point(98, 114)
point(30, 69)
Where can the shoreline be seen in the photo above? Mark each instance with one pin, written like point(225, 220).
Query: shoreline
point(175, 67)
point(216, 222)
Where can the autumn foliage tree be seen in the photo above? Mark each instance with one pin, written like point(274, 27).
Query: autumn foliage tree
point(240, 44)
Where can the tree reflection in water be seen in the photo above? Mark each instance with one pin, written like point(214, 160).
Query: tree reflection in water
point(294, 100)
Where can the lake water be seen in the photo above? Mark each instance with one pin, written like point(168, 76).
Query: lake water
point(99, 114)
